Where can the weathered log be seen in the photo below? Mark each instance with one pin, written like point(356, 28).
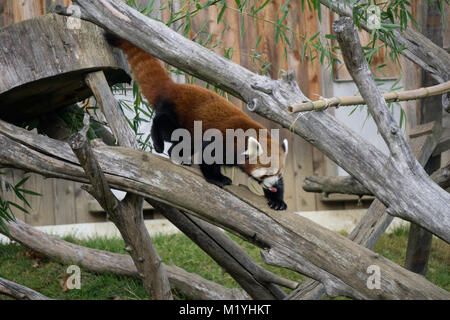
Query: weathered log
point(31, 86)
point(97, 82)
point(19, 292)
point(376, 220)
point(126, 214)
point(359, 70)
point(345, 185)
point(349, 185)
point(190, 284)
point(391, 181)
point(419, 242)
point(418, 249)
point(288, 239)
point(357, 65)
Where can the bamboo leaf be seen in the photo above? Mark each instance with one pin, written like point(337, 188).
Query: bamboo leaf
point(222, 11)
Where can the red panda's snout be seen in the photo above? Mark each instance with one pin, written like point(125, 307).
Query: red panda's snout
point(269, 175)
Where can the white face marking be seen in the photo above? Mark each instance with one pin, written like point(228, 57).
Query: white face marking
point(271, 173)
point(285, 146)
point(270, 181)
point(258, 173)
point(254, 148)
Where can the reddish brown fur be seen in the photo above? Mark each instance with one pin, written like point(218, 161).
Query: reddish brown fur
point(192, 102)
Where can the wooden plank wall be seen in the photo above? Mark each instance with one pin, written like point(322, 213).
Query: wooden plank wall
point(64, 202)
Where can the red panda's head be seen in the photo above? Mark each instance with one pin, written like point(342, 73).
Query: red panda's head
point(265, 161)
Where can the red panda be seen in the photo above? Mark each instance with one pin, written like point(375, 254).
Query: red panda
point(179, 105)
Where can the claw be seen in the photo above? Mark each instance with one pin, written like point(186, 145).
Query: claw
point(277, 205)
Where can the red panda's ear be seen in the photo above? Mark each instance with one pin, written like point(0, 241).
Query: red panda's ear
point(254, 148)
point(285, 146)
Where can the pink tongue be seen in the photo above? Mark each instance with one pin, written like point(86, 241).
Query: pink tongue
point(273, 189)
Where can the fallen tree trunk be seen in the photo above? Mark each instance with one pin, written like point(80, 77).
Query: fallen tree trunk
point(190, 284)
point(287, 239)
point(394, 183)
point(17, 291)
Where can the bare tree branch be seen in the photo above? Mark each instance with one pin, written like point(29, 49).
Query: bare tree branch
point(327, 185)
point(359, 70)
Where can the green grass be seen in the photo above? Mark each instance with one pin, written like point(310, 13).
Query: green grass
point(46, 276)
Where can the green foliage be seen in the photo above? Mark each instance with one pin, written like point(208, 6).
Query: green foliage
point(142, 114)
point(6, 213)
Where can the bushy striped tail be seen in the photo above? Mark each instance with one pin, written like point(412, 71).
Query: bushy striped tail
point(153, 80)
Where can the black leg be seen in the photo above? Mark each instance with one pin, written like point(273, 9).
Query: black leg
point(157, 133)
point(212, 174)
point(275, 199)
point(164, 123)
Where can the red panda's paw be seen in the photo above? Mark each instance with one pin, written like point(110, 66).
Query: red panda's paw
point(220, 181)
point(158, 147)
point(276, 204)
